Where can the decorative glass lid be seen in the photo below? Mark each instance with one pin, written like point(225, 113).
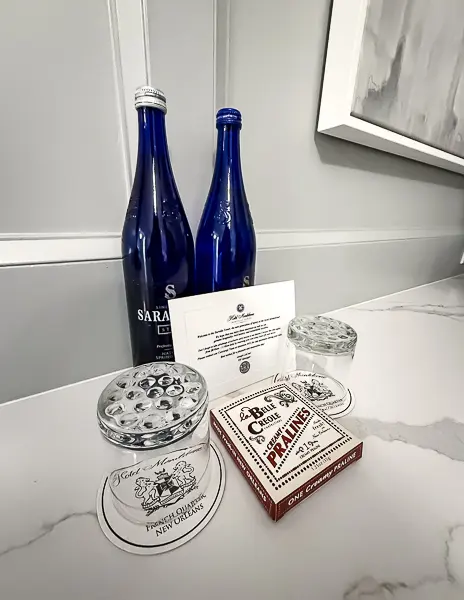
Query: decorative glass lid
point(152, 405)
point(322, 335)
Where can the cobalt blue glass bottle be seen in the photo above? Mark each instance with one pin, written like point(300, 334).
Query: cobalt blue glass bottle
point(226, 245)
point(157, 244)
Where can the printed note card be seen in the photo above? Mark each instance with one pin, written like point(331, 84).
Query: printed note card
point(237, 337)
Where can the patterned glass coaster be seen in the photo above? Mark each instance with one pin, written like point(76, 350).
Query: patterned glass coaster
point(162, 535)
point(325, 392)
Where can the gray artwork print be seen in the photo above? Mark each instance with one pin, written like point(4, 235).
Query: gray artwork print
point(411, 71)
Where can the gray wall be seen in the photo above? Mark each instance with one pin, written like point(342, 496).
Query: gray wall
point(60, 323)
point(61, 167)
point(62, 172)
point(181, 61)
point(299, 182)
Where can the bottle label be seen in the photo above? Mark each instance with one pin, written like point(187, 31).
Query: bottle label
point(153, 316)
point(153, 329)
point(170, 291)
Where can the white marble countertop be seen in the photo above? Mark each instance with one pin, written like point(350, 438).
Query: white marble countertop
point(391, 526)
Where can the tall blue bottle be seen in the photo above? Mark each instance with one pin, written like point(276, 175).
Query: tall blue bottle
point(157, 244)
point(226, 245)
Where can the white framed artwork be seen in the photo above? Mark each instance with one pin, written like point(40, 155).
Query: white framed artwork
point(394, 78)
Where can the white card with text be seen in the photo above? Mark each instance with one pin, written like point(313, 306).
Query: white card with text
point(237, 337)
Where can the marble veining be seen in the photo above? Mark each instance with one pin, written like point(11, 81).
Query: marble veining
point(445, 437)
point(46, 529)
point(437, 310)
point(445, 586)
point(390, 527)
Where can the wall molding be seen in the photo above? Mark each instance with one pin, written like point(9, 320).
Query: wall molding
point(32, 249)
point(132, 67)
point(301, 238)
point(119, 88)
point(131, 58)
point(20, 249)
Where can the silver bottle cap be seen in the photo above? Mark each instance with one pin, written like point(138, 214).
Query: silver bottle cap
point(150, 96)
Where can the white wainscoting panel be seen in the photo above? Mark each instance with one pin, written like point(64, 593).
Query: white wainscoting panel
point(17, 249)
point(62, 163)
point(346, 223)
point(299, 238)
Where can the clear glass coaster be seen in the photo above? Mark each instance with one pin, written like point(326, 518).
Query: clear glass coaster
point(323, 345)
point(155, 416)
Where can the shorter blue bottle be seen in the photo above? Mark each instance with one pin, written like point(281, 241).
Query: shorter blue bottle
point(226, 244)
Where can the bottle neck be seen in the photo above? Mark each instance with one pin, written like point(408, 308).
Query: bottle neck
point(228, 169)
point(153, 150)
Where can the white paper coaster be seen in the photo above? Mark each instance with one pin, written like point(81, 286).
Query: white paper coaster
point(325, 392)
point(152, 539)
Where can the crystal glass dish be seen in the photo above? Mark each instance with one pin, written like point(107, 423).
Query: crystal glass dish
point(152, 405)
point(323, 345)
point(156, 418)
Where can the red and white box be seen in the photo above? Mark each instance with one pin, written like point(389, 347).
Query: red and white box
point(285, 446)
